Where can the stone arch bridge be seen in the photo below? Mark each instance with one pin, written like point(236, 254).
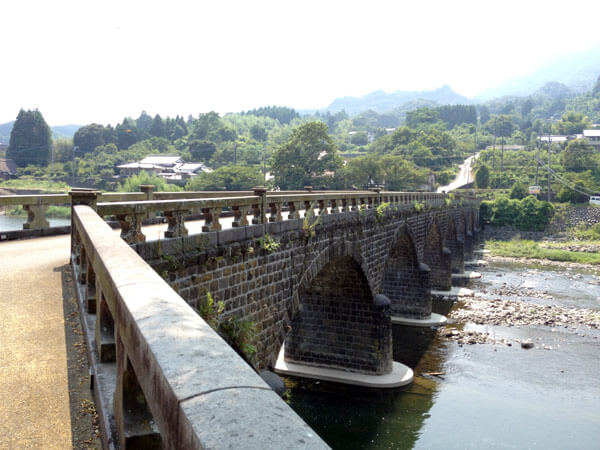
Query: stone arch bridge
point(322, 271)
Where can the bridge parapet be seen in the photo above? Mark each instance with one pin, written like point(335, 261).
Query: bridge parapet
point(177, 382)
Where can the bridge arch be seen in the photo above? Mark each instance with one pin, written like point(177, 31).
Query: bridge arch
point(437, 257)
point(406, 281)
point(469, 234)
point(337, 323)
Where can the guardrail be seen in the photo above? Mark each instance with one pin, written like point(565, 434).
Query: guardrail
point(177, 383)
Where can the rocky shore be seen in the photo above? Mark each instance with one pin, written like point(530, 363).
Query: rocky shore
point(515, 313)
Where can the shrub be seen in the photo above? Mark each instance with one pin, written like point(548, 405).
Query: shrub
point(528, 214)
point(518, 191)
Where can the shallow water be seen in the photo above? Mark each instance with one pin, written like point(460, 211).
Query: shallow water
point(488, 396)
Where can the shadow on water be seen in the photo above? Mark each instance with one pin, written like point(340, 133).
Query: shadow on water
point(349, 417)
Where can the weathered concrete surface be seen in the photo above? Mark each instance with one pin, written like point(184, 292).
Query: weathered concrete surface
point(34, 410)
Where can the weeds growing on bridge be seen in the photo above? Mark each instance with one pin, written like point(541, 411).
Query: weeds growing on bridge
point(239, 333)
point(380, 211)
point(268, 244)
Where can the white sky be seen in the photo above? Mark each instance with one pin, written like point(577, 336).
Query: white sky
point(86, 61)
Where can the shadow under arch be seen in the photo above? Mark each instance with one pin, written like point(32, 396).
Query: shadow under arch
point(405, 281)
point(469, 235)
point(437, 258)
point(456, 246)
point(338, 324)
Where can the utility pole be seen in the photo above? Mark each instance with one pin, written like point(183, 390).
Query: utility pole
point(537, 162)
point(549, 152)
point(494, 148)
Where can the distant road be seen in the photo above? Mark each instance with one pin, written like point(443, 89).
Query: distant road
point(464, 176)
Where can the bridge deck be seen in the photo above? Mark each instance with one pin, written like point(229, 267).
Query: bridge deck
point(34, 384)
point(34, 387)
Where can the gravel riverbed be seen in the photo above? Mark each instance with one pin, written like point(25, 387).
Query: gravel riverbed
point(485, 312)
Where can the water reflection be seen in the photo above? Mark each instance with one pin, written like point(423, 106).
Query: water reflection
point(357, 417)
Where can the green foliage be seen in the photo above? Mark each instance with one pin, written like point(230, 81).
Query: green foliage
point(419, 207)
point(571, 123)
point(578, 156)
point(567, 194)
point(240, 334)
point(281, 113)
point(518, 191)
point(380, 211)
point(132, 184)
point(87, 138)
point(30, 139)
point(528, 214)
point(28, 182)
point(210, 311)
point(268, 244)
point(305, 157)
point(308, 227)
point(482, 177)
point(230, 178)
point(588, 233)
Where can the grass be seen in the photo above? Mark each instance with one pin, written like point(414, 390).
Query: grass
point(30, 183)
point(518, 248)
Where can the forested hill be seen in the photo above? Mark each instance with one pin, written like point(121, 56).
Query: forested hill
point(380, 101)
point(60, 131)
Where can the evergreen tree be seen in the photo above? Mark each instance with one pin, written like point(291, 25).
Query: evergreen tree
point(30, 140)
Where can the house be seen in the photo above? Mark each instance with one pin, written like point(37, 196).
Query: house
point(8, 169)
point(172, 168)
point(555, 138)
point(592, 137)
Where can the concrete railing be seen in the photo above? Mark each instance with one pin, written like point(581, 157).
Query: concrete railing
point(161, 372)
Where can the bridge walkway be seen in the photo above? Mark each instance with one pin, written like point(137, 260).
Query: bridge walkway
point(34, 361)
point(34, 385)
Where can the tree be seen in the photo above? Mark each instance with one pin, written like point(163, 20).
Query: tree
point(227, 178)
point(30, 139)
point(157, 128)
point(202, 150)
point(87, 138)
point(305, 157)
point(518, 191)
point(572, 123)
point(127, 134)
point(258, 133)
point(482, 177)
point(578, 156)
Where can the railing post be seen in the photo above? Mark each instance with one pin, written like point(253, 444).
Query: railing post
point(211, 219)
point(262, 192)
point(148, 189)
point(81, 196)
point(36, 217)
point(176, 224)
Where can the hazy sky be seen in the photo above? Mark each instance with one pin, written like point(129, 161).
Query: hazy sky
point(86, 61)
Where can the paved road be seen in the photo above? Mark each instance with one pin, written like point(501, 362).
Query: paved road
point(464, 176)
point(34, 388)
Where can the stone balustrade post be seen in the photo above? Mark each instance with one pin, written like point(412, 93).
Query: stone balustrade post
point(275, 212)
point(175, 224)
point(81, 196)
point(36, 217)
point(90, 291)
point(292, 211)
point(211, 219)
point(131, 227)
point(345, 207)
point(148, 189)
point(308, 208)
point(322, 207)
point(260, 191)
point(334, 206)
point(240, 216)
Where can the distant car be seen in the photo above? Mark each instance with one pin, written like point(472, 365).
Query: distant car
point(595, 200)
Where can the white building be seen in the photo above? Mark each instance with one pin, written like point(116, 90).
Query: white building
point(172, 168)
point(592, 137)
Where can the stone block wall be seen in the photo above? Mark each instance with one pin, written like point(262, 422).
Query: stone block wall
point(274, 289)
point(406, 282)
point(338, 325)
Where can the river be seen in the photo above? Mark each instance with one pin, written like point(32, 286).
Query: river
point(491, 396)
point(9, 223)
